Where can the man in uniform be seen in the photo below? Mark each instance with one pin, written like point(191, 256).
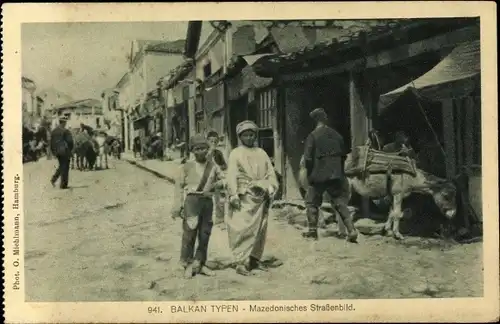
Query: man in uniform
point(61, 143)
point(324, 157)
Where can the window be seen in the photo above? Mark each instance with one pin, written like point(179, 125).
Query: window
point(199, 120)
point(266, 104)
point(98, 122)
point(266, 141)
point(207, 70)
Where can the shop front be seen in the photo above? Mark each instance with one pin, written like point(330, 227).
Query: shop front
point(447, 101)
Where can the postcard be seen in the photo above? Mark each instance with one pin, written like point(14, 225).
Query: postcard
point(250, 162)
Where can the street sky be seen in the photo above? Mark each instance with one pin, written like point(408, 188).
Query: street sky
point(83, 59)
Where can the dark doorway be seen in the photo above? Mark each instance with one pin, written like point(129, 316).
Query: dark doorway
point(238, 113)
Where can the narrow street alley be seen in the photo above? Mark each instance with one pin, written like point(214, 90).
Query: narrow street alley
point(110, 238)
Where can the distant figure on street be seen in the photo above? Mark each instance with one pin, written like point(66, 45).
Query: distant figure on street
point(401, 145)
point(157, 146)
point(217, 157)
point(137, 146)
point(193, 202)
point(251, 185)
point(324, 157)
point(62, 147)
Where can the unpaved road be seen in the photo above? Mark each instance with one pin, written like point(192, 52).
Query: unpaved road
point(111, 238)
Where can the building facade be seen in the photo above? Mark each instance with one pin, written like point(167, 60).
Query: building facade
point(143, 104)
point(29, 102)
point(52, 98)
point(357, 75)
point(87, 111)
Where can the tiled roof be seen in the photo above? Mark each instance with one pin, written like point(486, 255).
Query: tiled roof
point(174, 47)
point(81, 103)
point(342, 32)
point(177, 74)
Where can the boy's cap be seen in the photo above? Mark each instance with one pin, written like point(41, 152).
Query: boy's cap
point(198, 139)
point(212, 133)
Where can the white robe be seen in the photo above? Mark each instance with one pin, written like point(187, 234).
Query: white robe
point(247, 227)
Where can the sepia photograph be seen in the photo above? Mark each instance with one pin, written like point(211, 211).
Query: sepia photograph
point(207, 163)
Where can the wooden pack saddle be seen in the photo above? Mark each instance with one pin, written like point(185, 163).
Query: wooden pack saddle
point(365, 160)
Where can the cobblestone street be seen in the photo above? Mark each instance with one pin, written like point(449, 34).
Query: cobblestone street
point(110, 238)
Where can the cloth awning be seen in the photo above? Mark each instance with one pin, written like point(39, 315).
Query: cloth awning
point(213, 98)
point(247, 79)
point(251, 59)
point(454, 77)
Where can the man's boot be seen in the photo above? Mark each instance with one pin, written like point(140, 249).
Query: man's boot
point(312, 220)
point(352, 233)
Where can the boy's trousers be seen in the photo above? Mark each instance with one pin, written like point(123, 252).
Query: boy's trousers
point(197, 223)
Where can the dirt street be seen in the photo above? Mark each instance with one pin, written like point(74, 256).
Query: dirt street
point(111, 238)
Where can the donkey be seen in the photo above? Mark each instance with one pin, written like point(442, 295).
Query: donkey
point(398, 186)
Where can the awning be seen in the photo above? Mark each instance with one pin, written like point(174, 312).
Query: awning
point(251, 59)
point(213, 98)
point(244, 81)
point(454, 77)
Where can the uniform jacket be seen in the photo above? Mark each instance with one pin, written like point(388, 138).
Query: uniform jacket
point(324, 155)
point(58, 137)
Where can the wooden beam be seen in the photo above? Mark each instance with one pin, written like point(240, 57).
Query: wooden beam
point(449, 137)
point(397, 54)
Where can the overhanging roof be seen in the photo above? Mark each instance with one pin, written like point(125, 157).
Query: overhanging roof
point(454, 76)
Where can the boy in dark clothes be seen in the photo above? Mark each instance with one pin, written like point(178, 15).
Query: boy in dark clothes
point(193, 203)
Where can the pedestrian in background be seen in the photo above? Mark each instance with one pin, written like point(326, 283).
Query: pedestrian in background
point(324, 156)
point(251, 185)
point(217, 157)
point(193, 202)
point(62, 147)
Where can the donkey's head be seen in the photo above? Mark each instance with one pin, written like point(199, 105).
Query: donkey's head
point(444, 194)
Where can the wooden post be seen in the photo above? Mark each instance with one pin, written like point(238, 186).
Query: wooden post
point(469, 131)
point(459, 131)
point(449, 137)
point(359, 124)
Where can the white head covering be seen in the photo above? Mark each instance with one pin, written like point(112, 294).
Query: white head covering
point(246, 125)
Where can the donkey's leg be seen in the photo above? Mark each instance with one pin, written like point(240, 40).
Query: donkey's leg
point(397, 216)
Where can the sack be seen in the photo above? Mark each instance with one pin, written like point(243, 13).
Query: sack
point(365, 159)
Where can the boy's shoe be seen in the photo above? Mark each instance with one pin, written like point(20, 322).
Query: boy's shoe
point(311, 234)
point(189, 272)
point(242, 270)
point(206, 272)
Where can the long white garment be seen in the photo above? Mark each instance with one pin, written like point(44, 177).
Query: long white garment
point(247, 227)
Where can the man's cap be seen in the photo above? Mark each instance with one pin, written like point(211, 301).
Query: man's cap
point(196, 140)
point(318, 114)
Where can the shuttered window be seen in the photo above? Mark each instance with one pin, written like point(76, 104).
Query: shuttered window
point(265, 106)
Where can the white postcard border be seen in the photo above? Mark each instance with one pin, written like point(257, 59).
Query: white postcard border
point(459, 309)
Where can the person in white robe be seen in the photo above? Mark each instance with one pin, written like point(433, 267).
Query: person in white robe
point(251, 185)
